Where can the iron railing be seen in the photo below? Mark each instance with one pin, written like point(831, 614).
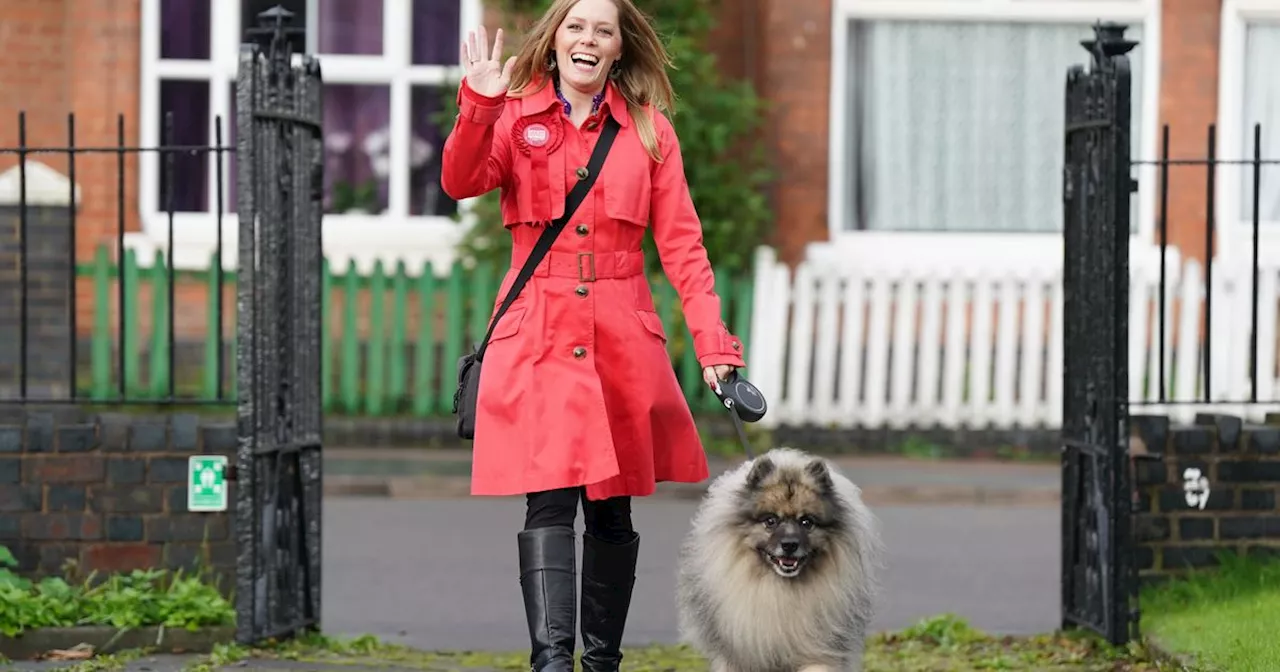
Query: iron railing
point(40, 356)
point(1211, 162)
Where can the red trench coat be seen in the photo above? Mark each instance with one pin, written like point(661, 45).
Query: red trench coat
point(577, 387)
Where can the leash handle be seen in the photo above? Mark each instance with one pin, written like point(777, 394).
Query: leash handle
point(745, 404)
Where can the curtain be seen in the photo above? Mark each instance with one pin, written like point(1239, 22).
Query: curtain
point(184, 30)
point(184, 34)
point(958, 125)
point(348, 27)
point(436, 32)
point(1261, 106)
point(188, 102)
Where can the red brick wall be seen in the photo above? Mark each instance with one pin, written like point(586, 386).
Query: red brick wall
point(81, 57)
point(33, 75)
point(1189, 104)
point(109, 492)
point(794, 75)
point(1242, 463)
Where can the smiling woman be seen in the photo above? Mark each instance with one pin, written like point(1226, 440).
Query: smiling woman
point(584, 64)
point(578, 401)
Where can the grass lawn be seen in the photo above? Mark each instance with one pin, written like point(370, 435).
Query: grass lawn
point(1222, 620)
point(940, 644)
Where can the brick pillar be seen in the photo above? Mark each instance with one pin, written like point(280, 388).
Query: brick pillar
point(794, 61)
point(48, 287)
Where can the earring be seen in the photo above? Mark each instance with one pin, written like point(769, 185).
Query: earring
point(551, 63)
point(616, 70)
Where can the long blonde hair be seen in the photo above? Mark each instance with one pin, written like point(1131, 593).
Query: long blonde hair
point(642, 79)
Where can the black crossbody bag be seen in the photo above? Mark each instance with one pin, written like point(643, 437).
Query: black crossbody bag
point(464, 399)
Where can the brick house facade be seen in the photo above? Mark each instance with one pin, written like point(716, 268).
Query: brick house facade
point(103, 58)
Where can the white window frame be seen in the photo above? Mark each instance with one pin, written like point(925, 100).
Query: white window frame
point(946, 250)
point(1234, 239)
point(392, 236)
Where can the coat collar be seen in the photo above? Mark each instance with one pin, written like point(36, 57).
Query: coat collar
point(543, 99)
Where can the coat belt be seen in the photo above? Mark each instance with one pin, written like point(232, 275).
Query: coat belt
point(584, 266)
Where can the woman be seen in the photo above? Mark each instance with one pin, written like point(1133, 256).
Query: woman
point(577, 398)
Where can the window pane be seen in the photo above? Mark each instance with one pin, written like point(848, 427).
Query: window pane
point(958, 126)
point(351, 27)
point(1261, 106)
point(436, 32)
point(184, 29)
point(188, 101)
point(357, 146)
point(426, 197)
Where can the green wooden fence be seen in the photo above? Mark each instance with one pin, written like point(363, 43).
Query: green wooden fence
point(398, 313)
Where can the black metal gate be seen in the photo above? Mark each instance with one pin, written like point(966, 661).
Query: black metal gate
point(1099, 584)
point(280, 179)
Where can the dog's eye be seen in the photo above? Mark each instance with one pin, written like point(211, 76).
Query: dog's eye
point(807, 523)
point(770, 521)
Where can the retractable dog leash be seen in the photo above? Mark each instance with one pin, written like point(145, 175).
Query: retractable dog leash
point(745, 404)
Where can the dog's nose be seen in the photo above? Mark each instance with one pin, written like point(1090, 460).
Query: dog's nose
point(790, 547)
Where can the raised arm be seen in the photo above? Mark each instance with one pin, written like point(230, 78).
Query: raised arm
point(477, 153)
point(678, 235)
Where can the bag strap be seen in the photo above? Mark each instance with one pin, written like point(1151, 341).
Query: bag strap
point(540, 249)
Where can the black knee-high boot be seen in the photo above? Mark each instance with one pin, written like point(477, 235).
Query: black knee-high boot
point(608, 575)
point(548, 580)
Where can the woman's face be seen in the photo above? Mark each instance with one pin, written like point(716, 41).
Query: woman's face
point(587, 44)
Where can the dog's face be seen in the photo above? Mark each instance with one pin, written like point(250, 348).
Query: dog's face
point(789, 514)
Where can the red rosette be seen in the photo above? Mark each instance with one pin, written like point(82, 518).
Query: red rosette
point(540, 132)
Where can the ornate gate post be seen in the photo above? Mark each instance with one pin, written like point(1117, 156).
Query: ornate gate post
point(1098, 579)
point(280, 180)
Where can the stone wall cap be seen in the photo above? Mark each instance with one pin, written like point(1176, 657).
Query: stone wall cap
point(46, 187)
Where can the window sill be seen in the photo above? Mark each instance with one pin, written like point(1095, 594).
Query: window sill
point(947, 252)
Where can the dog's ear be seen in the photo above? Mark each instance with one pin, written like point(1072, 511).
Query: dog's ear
point(759, 471)
point(821, 475)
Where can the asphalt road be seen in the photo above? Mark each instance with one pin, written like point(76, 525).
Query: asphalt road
point(442, 574)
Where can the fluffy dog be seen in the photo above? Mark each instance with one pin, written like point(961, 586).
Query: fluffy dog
point(777, 572)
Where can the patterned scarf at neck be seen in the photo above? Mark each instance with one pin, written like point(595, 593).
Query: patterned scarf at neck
point(595, 100)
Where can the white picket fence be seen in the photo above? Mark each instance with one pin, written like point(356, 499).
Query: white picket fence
point(840, 346)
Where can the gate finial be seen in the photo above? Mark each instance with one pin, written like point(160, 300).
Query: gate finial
point(1108, 41)
point(274, 24)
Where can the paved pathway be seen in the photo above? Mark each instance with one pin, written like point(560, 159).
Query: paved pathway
point(442, 573)
point(423, 565)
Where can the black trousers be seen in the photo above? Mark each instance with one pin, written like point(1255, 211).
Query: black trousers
point(607, 519)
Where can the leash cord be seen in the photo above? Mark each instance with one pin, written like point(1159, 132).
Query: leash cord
point(742, 431)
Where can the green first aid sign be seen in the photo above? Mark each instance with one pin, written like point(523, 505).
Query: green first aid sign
point(206, 483)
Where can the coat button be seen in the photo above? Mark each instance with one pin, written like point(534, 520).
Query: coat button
point(737, 345)
point(581, 290)
point(581, 229)
point(581, 172)
point(579, 352)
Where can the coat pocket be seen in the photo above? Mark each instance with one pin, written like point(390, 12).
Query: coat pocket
point(652, 323)
point(509, 325)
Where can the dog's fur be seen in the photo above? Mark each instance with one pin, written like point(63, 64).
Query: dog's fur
point(748, 611)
